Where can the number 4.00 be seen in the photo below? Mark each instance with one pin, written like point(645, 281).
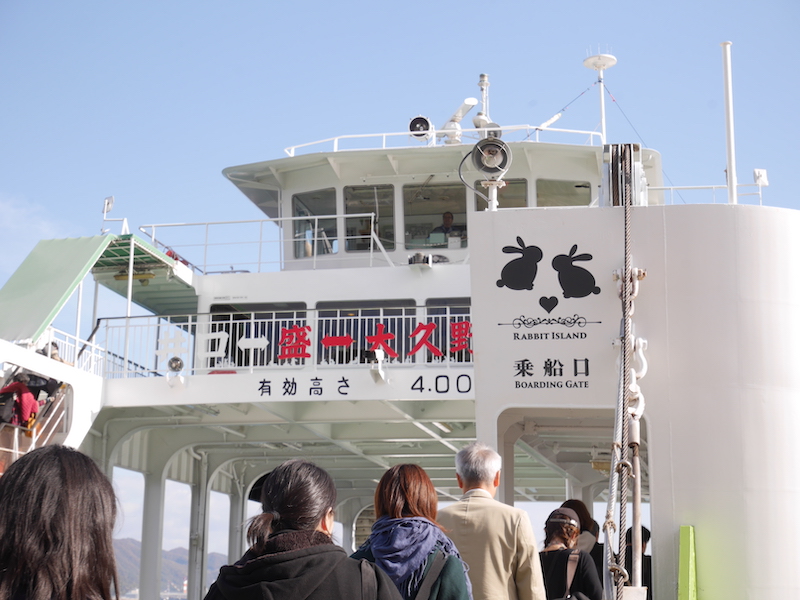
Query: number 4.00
point(442, 384)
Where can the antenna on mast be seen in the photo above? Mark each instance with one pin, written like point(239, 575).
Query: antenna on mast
point(482, 120)
point(601, 62)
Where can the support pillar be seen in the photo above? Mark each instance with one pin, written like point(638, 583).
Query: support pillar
point(198, 532)
point(346, 513)
point(237, 529)
point(505, 448)
point(152, 535)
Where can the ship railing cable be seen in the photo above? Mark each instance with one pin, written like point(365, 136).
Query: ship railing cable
point(630, 402)
point(624, 471)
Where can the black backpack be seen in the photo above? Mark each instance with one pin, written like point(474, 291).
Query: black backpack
point(6, 407)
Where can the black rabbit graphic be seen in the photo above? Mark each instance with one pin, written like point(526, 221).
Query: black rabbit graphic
point(576, 282)
point(519, 273)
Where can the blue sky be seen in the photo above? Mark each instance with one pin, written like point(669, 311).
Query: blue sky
point(149, 101)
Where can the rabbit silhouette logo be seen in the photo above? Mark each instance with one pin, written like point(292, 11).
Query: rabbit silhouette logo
point(575, 281)
point(520, 273)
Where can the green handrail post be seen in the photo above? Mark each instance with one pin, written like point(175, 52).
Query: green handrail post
point(687, 572)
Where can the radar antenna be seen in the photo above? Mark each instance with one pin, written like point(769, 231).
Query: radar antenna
point(601, 62)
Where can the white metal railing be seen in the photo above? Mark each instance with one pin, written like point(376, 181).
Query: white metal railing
point(74, 351)
point(301, 339)
point(261, 245)
point(441, 137)
point(705, 189)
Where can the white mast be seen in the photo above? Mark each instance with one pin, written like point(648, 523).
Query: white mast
point(601, 62)
point(731, 146)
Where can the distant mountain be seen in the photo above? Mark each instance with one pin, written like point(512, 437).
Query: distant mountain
point(174, 566)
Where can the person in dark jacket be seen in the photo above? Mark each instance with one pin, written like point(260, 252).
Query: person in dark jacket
point(561, 535)
point(590, 530)
point(292, 555)
point(647, 564)
point(408, 544)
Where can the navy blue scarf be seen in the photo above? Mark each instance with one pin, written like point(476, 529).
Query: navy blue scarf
point(401, 548)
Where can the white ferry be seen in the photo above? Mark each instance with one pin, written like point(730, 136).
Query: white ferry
point(407, 293)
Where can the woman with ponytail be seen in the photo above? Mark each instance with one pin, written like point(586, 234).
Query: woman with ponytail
point(292, 555)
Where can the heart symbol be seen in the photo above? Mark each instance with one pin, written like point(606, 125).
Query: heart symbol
point(548, 303)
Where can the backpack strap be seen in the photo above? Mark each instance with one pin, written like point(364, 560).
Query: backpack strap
point(369, 583)
point(431, 576)
point(572, 566)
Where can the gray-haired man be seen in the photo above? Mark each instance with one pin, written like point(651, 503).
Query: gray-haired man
point(494, 539)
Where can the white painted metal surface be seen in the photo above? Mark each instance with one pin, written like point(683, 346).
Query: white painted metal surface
point(719, 313)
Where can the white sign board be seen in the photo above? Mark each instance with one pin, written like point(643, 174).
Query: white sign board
point(545, 307)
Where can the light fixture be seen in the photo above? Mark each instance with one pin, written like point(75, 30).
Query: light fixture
point(142, 277)
point(123, 275)
point(420, 127)
point(376, 370)
point(602, 466)
point(491, 156)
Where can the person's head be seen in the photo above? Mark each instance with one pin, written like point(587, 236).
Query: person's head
point(563, 525)
point(645, 537)
point(406, 491)
point(22, 378)
point(56, 528)
point(447, 219)
point(295, 495)
point(478, 465)
point(584, 516)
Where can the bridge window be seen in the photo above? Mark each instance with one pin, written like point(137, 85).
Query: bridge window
point(435, 215)
point(316, 233)
point(555, 192)
point(513, 195)
point(377, 200)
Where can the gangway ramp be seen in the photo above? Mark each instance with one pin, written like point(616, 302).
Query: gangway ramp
point(35, 294)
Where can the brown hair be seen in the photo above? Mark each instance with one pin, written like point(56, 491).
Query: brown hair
point(406, 491)
point(584, 516)
point(56, 527)
point(562, 526)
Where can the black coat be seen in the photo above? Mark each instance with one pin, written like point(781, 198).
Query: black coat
point(554, 569)
point(298, 565)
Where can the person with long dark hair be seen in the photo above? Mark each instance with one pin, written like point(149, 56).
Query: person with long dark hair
point(56, 527)
point(568, 572)
point(407, 542)
point(292, 555)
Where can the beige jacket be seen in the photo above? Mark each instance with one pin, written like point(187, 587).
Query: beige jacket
point(497, 542)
